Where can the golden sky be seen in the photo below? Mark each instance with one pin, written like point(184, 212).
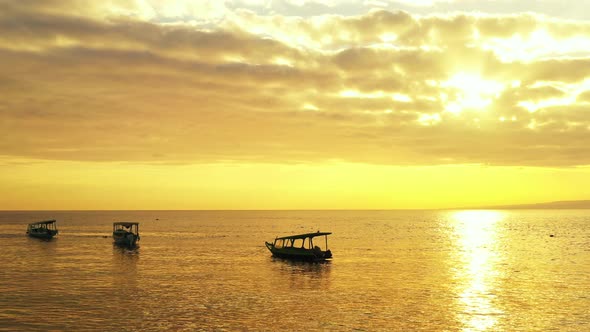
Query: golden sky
point(293, 104)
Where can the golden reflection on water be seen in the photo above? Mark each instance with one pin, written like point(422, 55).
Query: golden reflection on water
point(476, 238)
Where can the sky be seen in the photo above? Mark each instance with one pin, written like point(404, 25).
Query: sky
point(293, 104)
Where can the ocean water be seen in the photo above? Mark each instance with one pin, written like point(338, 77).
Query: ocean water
point(518, 270)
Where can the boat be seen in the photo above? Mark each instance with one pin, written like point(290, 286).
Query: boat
point(301, 247)
point(126, 233)
point(42, 229)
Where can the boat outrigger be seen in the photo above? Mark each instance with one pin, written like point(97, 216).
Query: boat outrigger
point(42, 229)
point(300, 247)
point(126, 233)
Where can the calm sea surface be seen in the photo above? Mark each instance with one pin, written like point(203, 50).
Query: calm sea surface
point(209, 270)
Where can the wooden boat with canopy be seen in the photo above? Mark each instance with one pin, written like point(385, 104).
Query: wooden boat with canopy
point(126, 233)
point(301, 247)
point(42, 229)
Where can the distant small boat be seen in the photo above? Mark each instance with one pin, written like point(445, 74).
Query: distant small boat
point(42, 229)
point(126, 233)
point(300, 247)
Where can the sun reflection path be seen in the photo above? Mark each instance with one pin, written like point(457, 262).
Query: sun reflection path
point(476, 233)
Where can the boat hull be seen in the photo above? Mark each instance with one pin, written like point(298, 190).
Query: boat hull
point(49, 234)
point(125, 239)
point(299, 254)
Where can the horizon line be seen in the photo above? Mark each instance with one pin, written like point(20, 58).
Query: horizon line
point(523, 206)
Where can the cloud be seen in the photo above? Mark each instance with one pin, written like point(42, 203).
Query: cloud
point(87, 84)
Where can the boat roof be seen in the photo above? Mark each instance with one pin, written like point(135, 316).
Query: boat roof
point(42, 222)
point(125, 223)
point(304, 236)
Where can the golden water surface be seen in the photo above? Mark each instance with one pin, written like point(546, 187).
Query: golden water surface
point(209, 270)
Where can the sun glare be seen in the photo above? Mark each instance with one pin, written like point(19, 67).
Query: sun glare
point(536, 45)
point(476, 233)
point(470, 92)
point(569, 97)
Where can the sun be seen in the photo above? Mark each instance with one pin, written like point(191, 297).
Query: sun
point(465, 91)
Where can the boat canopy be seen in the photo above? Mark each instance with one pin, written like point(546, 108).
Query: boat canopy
point(46, 222)
point(303, 236)
point(125, 224)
